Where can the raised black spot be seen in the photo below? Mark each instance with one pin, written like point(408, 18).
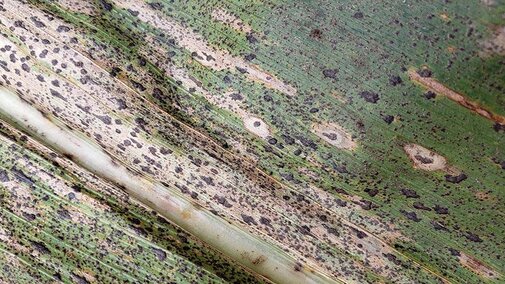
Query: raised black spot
point(340, 168)
point(156, 5)
point(287, 176)
point(57, 94)
point(19, 24)
point(454, 252)
point(250, 57)
point(298, 266)
point(366, 205)
point(158, 94)
point(133, 13)
point(360, 234)
point(455, 179)
point(331, 230)
point(388, 119)
point(316, 33)
point(79, 279)
point(370, 97)
point(438, 226)
point(138, 86)
point(64, 214)
point(409, 193)
point(358, 15)
point(71, 195)
point(160, 254)
point(208, 180)
point(241, 70)
point(441, 210)
point(392, 258)
point(105, 119)
point(114, 71)
point(3, 64)
point(121, 104)
point(307, 142)
point(29, 216)
point(395, 80)
point(21, 176)
point(265, 221)
point(411, 215)
point(250, 38)
point(165, 151)
point(62, 29)
point(473, 237)
point(194, 195)
point(3, 176)
point(423, 159)
point(330, 135)
point(340, 202)
point(430, 95)
point(288, 139)
point(499, 127)
point(106, 5)
point(330, 73)
point(425, 73)
point(37, 22)
point(304, 229)
point(421, 206)
point(248, 219)
point(40, 247)
point(25, 67)
point(371, 191)
point(236, 97)
point(223, 201)
point(142, 61)
point(83, 108)
point(57, 276)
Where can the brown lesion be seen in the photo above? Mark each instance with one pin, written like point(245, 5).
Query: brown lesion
point(488, 3)
point(477, 266)
point(495, 45)
point(231, 20)
point(216, 59)
point(444, 16)
point(259, 260)
point(256, 260)
point(485, 196)
point(425, 159)
point(335, 135)
point(437, 87)
point(77, 6)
